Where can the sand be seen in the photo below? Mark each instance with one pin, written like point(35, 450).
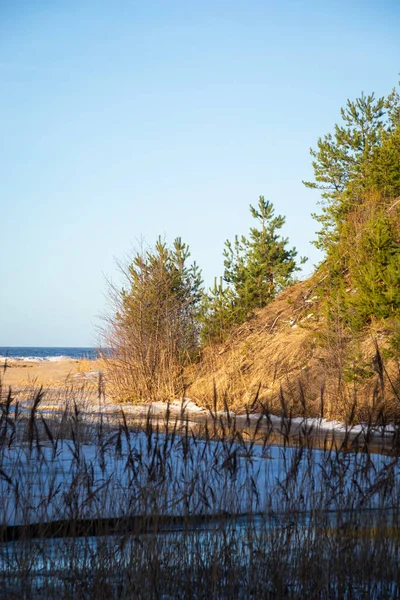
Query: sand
point(47, 373)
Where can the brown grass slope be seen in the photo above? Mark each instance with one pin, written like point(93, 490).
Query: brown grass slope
point(289, 358)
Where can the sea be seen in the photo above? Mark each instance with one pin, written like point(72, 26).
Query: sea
point(46, 353)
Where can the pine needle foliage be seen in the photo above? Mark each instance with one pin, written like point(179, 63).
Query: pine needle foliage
point(357, 169)
point(257, 269)
point(342, 160)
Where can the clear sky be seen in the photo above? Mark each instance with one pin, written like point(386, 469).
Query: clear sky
point(122, 120)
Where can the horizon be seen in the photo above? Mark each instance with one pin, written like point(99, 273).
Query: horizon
point(163, 119)
point(8, 346)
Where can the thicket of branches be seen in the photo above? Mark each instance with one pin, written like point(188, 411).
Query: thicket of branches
point(153, 331)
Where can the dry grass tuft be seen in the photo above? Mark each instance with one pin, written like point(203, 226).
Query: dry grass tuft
point(289, 349)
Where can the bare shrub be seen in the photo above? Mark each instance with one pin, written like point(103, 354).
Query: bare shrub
point(152, 332)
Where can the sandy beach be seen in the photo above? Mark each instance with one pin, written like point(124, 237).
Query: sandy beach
point(55, 374)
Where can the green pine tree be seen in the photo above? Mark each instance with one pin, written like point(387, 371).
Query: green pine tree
point(218, 314)
point(384, 171)
point(358, 171)
point(260, 266)
point(374, 272)
point(257, 268)
point(342, 160)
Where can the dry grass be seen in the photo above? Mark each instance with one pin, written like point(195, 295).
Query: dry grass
point(270, 349)
point(326, 526)
point(288, 349)
point(287, 354)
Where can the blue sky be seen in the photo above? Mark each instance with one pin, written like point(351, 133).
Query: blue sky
point(127, 120)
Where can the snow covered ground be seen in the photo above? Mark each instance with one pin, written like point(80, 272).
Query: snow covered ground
point(136, 473)
point(293, 508)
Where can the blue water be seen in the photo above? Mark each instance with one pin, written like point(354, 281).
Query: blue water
point(46, 353)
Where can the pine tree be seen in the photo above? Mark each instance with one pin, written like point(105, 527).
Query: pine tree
point(358, 171)
point(374, 271)
point(384, 171)
point(218, 314)
point(257, 268)
point(342, 160)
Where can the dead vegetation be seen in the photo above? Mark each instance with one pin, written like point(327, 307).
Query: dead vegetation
point(93, 509)
point(96, 506)
point(288, 352)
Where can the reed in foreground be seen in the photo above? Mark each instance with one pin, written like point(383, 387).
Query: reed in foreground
point(102, 508)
